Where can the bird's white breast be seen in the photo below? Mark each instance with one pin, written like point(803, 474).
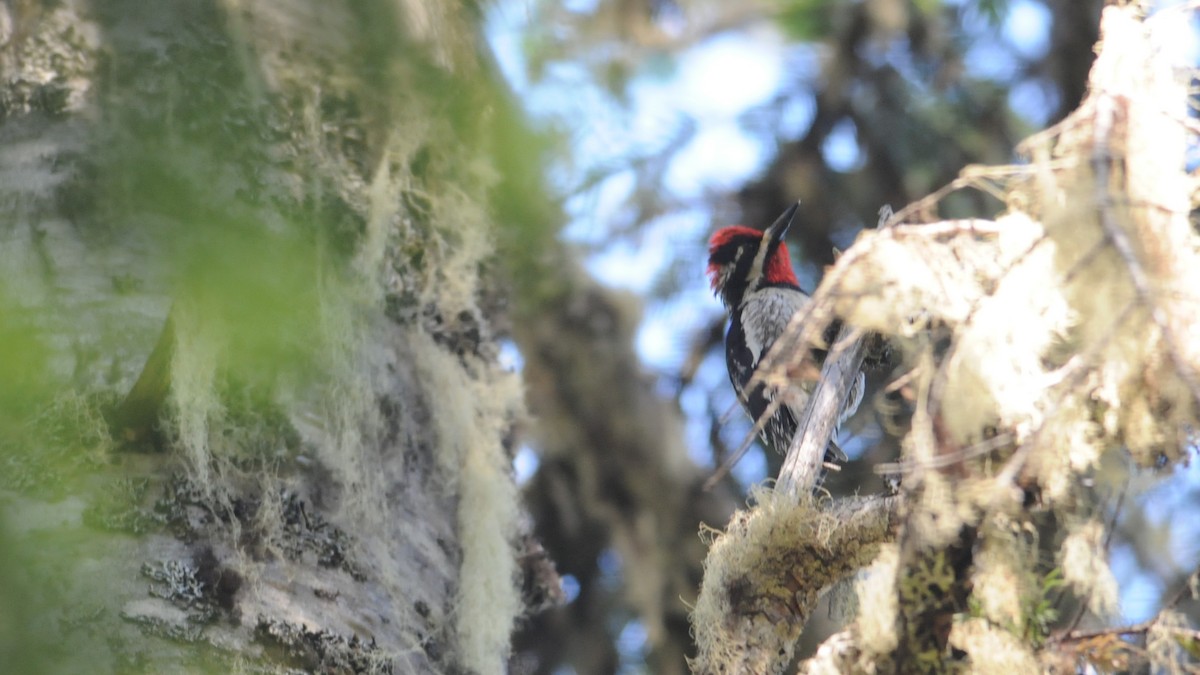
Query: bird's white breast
point(765, 314)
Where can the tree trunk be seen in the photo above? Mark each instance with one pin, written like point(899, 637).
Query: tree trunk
point(313, 470)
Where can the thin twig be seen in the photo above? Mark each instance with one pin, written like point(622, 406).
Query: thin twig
point(984, 447)
point(1169, 603)
point(733, 459)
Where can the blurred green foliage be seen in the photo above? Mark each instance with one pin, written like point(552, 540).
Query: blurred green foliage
point(26, 388)
point(24, 367)
point(194, 162)
point(806, 20)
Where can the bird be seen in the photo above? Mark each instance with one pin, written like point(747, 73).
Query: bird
point(750, 271)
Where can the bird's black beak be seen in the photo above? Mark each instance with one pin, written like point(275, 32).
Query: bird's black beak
point(780, 227)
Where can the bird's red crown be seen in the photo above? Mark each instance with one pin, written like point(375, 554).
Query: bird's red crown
point(779, 267)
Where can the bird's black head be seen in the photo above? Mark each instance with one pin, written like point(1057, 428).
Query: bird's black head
point(742, 259)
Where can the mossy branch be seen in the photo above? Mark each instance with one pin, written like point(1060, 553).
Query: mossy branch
point(765, 574)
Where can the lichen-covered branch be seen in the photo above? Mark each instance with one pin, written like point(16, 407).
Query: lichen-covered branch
point(764, 575)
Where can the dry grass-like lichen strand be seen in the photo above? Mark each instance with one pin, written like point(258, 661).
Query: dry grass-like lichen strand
point(972, 276)
point(1085, 568)
point(1117, 202)
point(195, 404)
point(763, 577)
point(476, 404)
point(993, 650)
point(427, 262)
point(1167, 639)
point(1003, 581)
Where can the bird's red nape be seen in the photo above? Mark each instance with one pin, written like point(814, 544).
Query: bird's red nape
point(779, 267)
point(714, 275)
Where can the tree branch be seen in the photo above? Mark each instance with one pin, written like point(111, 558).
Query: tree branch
point(765, 574)
point(802, 465)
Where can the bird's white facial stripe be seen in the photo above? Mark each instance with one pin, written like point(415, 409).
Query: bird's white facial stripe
point(756, 269)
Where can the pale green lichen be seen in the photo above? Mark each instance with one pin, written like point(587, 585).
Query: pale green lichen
point(1000, 580)
point(877, 591)
point(1171, 644)
point(992, 650)
point(477, 404)
point(194, 401)
point(763, 575)
point(1085, 567)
